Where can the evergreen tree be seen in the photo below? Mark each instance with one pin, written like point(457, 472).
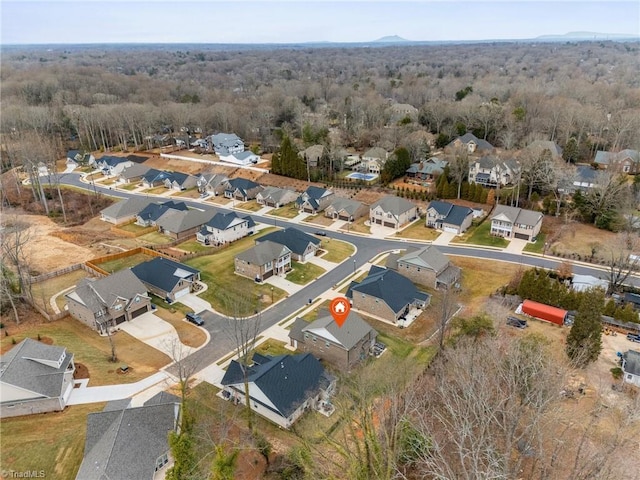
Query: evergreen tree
point(584, 341)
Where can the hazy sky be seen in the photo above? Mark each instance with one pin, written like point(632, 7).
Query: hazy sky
point(263, 21)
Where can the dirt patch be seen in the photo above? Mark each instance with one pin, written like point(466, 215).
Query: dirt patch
point(183, 166)
point(81, 371)
point(579, 239)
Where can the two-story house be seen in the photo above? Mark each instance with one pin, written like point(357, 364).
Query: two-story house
point(514, 222)
point(448, 217)
point(225, 144)
point(112, 166)
point(263, 260)
point(471, 143)
point(392, 212)
point(212, 183)
point(302, 245)
point(426, 266)
point(314, 199)
point(373, 160)
point(225, 228)
point(242, 189)
point(627, 161)
point(490, 171)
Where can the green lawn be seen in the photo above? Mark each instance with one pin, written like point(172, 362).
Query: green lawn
point(155, 190)
point(337, 250)
point(188, 193)
point(288, 211)
point(358, 226)
point(272, 347)
point(480, 236)
point(129, 186)
point(303, 273)
point(538, 246)
point(217, 271)
point(132, 227)
point(52, 443)
point(125, 262)
point(420, 231)
point(43, 291)
point(193, 246)
point(155, 238)
point(252, 206)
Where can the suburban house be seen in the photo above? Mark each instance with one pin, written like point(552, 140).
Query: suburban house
point(514, 222)
point(392, 211)
point(180, 181)
point(342, 347)
point(125, 442)
point(124, 211)
point(179, 224)
point(149, 215)
point(302, 245)
point(399, 111)
point(537, 147)
point(263, 260)
point(449, 217)
point(312, 155)
point(280, 388)
point(427, 170)
point(242, 189)
point(75, 158)
point(631, 367)
point(585, 178)
point(212, 183)
point(155, 178)
point(627, 161)
point(241, 158)
point(386, 294)
point(35, 378)
point(275, 197)
point(112, 166)
point(107, 302)
point(314, 199)
point(225, 144)
point(373, 160)
point(165, 278)
point(426, 266)
point(471, 143)
point(490, 171)
point(346, 209)
point(225, 228)
point(133, 174)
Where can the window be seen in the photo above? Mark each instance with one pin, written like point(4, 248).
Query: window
point(629, 376)
point(313, 337)
point(306, 335)
point(327, 344)
point(162, 461)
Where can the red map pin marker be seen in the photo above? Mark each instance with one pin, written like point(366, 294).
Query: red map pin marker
point(339, 309)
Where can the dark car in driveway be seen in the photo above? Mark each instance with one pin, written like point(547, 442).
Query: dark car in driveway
point(195, 318)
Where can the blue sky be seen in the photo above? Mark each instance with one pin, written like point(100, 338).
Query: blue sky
point(264, 21)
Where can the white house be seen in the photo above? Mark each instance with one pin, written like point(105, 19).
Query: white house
point(225, 228)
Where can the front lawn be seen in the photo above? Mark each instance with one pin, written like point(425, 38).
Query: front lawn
point(303, 273)
point(481, 235)
point(273, 348)
point(288, 211)
point(337, 250)
point(358, 226)
point(419, 231)
point(93, 351)
point(129, 186)
point(51, 443)
point(125, 262)
point(188, 193)
point(251, 206)
point(155, 190)
point(193, 246)
point(319, 220)
point(538, 246)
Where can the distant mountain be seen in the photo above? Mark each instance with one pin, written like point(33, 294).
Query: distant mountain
point(588, 36)
point(392, 39)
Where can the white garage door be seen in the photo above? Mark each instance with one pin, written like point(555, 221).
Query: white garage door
point(451, 229)
point(181, 293)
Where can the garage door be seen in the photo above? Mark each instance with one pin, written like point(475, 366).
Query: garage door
point(521, 236)
point(346, 218)
point(137, 313)
point(120, 319)
point(389, 224)
point(451, 229)
point(181, 293)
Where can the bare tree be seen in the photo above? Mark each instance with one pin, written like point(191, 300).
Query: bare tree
point(14, 241)
point(620, 261)
point(448, 307)
point(459, 166)
point(184, 364)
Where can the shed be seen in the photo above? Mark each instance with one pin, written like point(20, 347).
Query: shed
point(544, 312)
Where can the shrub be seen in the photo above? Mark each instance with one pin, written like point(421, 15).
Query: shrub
point(616, 372)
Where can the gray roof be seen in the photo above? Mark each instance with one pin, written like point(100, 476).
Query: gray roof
point(163, 273)
point(221, 221)
point(182, 220)
point(348, 205)
point(426, 257)
point(586, 174)
point(125, 444)
point(154, 211)
point(263, 252)
point(96, 294)
point(112, 161)
point(212, 179)
point(128, 207)
point(394, 289)
point(242, 184)
point(452, 214)
point(517, 215)
point(313, 153)
point(541, 145)
point(376, 152)
point(431, 166)
point(394, 205)
point(470, 137)
point(352, 331)
point(135, 170)
point(276, 194)
point(286, 380)
point(295, 240)
point(36, 367)
point(632, 362)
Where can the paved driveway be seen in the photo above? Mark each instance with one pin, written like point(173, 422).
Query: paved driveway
point(194, 302)
point(154, 331)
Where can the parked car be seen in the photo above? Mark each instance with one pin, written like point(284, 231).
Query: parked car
point(517, 322)
point(195, 318)
point(633, 337)
point(321, 233)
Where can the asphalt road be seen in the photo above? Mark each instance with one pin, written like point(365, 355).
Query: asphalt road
point(367, 248)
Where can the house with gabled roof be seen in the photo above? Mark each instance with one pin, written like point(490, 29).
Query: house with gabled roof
point(242, 189)
point(393, 212)
point(166, 278)
point(312, 155)
point(104, 303)
point(302, 245)
point(125, 442)
point(134, 173)
point(314, 199)
point(155, 178)
point(180, 181)
point(280, 388)
point(179, 224)
point(631, 367)
point(627, 161)
point(343, 347)
point(225, 228)
point(427, 170)
point(75, 158)
point(386, 294)
point(112, 166)
point(399, 111)
point(472, 144)
point(346, 209)
point(514, 222)
point(137, 158)
point(212, 183)
point(585, 178)
point(35, 378)
point(425, 266)
point(225, 144)
point(149, 215)
point(125, 210)
point(263, 260)
point(276, 197)
point(448, 217)
point(373, 160)
point(490, 171)
point(246, 157)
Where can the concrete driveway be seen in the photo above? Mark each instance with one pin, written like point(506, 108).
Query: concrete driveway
point(444, 238)
point(157, 333)
point(195, 303)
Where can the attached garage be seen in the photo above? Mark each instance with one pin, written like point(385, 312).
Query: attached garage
point(138, 312)
point(389, 224)
point(120, 319)
point(451, 230)
point(346, 218)
point(181, 293)
point(521, 236)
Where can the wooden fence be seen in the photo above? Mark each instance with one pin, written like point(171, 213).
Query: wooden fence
point(125, 233)
point(92, 264)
